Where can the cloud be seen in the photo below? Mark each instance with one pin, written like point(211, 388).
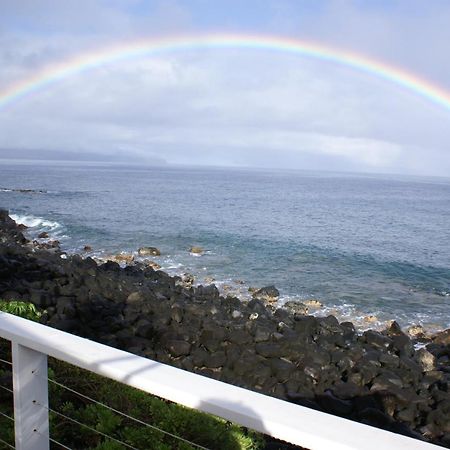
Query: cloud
point(228, 106)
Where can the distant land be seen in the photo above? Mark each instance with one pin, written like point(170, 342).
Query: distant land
point(59, 155)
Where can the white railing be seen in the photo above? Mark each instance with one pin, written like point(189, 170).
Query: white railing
point(33, 342)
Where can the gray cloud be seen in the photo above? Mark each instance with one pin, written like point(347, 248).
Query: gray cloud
point(233, 107)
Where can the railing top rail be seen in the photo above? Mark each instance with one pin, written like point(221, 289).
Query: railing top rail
point(296, 424)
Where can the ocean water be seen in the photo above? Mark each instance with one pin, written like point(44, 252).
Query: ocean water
point(362, 245)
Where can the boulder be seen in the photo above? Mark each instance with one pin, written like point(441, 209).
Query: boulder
point(149, 251)
point(122, 258)
point(442, 338)
point(269, 294)
point(152, 264)
point(296, 307)
point(416, 331)
point(196, 250)
point(426, 359)
point(187, 280)
point(43, 235)
point(312, 303)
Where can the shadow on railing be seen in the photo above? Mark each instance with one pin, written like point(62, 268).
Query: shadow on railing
point(292, 423)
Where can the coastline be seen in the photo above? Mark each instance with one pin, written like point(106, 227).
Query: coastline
point(379, 378)
point(194, 270)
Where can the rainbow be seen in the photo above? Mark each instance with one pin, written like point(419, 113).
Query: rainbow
point(154, 46)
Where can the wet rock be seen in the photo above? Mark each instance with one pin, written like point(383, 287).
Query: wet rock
point(43, 235)
point(416, 331)
point(152, 264)
point(196, 250)
point(122, 258)
point(269, 294)
point(187, 280)
point(442, 338)
point(296, 307)
point(370, 319)
point(312, 303)
point(149, 251)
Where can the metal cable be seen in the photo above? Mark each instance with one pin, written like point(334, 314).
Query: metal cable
point(141, 422)
point(6, 443)
point(6, 415)
point(85, 426)
point(59, 443)
point(6, 389)
point(6, 362)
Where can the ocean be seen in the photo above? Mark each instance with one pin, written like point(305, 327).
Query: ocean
point(370, 248)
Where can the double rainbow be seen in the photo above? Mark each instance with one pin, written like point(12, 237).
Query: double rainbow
point(154, 46)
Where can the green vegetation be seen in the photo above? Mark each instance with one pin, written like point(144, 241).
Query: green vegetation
point(22, 309)
point(203, 429)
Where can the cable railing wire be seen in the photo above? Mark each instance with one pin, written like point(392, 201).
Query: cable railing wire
point(6, 389)
point(6, 443)
point(85, 426)
point(141, 422)
point(6, 416)
point(59, 443)
point(6, 362)
point(134, 419)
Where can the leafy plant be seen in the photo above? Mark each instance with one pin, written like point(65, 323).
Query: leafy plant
point(23, 309)
point(194, 426)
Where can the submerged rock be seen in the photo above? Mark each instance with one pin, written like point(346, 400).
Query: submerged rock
point(196, 250)
point(149, 251)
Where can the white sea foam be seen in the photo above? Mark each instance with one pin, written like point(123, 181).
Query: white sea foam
point(36, 222)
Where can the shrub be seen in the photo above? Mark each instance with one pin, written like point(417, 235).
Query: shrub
point(22, 309)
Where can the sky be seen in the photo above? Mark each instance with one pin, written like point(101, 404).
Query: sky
point(229, 106)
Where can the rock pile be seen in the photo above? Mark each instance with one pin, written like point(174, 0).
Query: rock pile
point(377, 378)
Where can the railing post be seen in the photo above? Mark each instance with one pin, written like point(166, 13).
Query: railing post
point(30, 388)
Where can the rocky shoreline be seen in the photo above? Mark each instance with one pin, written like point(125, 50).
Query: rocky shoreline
point(379, 378)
